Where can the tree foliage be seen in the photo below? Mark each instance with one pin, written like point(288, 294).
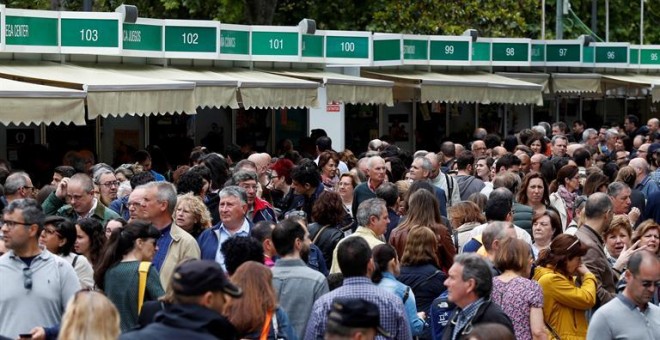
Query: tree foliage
point(501, 18)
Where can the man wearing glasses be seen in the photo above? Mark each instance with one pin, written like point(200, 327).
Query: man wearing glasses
point(36, 285)
point(18, 186)
point(79, 192)
point(630, 315)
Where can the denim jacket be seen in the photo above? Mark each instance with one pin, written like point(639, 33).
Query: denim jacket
point(390, 283)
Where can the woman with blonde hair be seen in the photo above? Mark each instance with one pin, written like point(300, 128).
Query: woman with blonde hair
point(191, 214)
point(90, 315)
point(423, 211)
point(256, 314)
point(648, 235)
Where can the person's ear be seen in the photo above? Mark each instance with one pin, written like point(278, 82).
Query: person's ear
point(245, 208)
point(62, 242)
point(207, 299)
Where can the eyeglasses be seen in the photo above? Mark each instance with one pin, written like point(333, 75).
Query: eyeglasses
point(27, 278)
point(573, 245)
point(135, 204)
point(51, 232)
point(28, 187)
point(648, 284)
point(12, 224)
point(111, 184)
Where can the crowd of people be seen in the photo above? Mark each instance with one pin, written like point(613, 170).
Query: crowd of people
point(551, 233)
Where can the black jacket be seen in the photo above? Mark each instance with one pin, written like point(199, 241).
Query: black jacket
point(427, 283)
point(326, 241)
point(488, 312)
point(185, 322)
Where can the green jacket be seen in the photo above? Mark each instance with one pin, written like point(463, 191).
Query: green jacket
point(56, 206)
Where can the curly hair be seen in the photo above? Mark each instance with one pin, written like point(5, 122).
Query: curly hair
point(94, 230)
point(464, 212)
point(198, 208)
point(328, 209)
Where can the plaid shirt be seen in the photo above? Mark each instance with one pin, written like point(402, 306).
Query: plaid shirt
point(392, 314)
point(464, 316)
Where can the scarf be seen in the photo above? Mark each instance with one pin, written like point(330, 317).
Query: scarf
point(569, 200)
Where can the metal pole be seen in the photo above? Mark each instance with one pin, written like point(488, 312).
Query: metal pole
point(87, 5)
point(559, 28)
point(594, 16)
point(414, 125)
point(506, 118)
point(476, 116)
point(607, 20)
point(531, 116)
point(580, 112)
point(641, 22)
point(543, 20)
point(447, 121)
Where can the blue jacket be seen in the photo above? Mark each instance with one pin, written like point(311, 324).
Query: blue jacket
point(209, 243)
point(120, 206)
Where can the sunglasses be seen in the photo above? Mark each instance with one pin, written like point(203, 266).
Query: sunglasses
point(27, 278)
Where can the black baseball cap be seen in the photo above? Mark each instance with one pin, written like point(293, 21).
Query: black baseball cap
point(356, 313)
point(196, 277)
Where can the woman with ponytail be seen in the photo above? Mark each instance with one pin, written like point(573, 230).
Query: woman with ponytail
point(387, 267)
point(117, 272)
point(564, 190)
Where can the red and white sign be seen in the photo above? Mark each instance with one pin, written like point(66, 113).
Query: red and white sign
point(333, 108)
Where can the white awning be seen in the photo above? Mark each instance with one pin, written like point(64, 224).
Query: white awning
point(650, 82)
point(26, 103)
point(267, 90)
point(347, 89)
point(576, 83)
point(108, 93)
point(542, 79)
point(211, 89)
point(469, 87)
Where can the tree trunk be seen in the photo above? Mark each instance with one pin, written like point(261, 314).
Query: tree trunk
point(259, 12)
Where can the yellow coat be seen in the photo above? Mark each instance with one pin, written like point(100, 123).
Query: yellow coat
point(564, 303)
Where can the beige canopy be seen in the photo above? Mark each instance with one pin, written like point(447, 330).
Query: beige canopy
point(576, 83)
point(108, 93)
point(347, 89)
point(26, 103)
point(542, 79)
point(651, 82)
point(468, 87)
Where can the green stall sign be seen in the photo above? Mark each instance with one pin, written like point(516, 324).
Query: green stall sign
point(142, 37)
point(193, 39)
point(415, 50)
point(78, 32)
point(347, 47)
point(510, 52)
point(449, 50)
point(279, 44)
point(31, 31)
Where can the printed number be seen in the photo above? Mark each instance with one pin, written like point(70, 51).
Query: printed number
point(276, 44)
point(89, 35)
point(654, 56)
point(563, 52)
point(611, 55)
point(449, 49)
point(347, 47)
point(510, 52)
point(190, 38)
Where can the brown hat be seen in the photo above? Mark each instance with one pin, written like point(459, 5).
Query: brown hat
point(197, 277)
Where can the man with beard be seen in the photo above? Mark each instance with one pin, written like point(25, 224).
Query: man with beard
point(297, 285)
point(598, 213)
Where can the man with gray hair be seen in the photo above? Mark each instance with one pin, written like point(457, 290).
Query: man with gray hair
point(157, 204)
point(79, 192)
point(233, 207)
point(469, 284)
point(420, 169)
point(107, 183)
point(36, 285)
point(443, 181)
point(559, 146)
point(643, 181)
point(619, 193)
point(372, 219)
point(18, 186)
point(598, 216)
point(258, 209)
point(590, 137)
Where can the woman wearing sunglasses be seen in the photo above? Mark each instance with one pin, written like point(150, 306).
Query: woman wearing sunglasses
point(564, 301)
